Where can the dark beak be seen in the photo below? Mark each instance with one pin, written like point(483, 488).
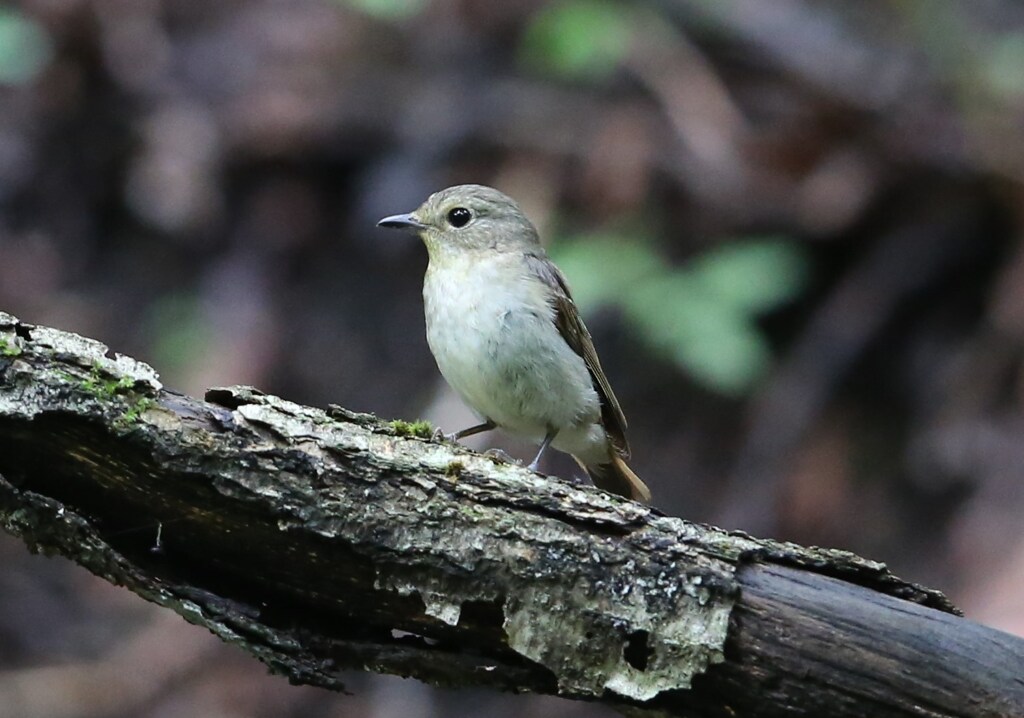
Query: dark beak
point(401, 221)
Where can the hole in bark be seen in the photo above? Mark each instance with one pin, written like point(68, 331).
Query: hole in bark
point(408, 637)
point(484, 614)
point(636, 651)
point(22, 331)
point(224, 397)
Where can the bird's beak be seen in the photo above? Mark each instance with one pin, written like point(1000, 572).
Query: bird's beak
point(402, 221)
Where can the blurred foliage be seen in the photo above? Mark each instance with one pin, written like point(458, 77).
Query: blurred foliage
point(196, 184)
point(25, 47)
point(1004, 69)
point(179, 332)
point(387, 9)
point(701, 315)
point(579, 39)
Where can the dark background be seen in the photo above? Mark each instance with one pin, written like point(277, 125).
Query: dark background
point(794, 228)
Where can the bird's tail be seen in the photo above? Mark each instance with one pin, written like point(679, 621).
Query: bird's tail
point(618, 478)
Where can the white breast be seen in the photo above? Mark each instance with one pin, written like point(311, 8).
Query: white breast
point(493, 336)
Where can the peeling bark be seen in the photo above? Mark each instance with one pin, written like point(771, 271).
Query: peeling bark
point(325, 540)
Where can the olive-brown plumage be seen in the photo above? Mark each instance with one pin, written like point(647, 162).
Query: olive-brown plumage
point(508, 338)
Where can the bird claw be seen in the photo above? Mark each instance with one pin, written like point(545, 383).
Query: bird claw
point(439, 437)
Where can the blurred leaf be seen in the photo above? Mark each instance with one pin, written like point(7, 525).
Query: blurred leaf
point(703, 316)
point(1004, 70)
point(579, 39)
point(753, 275)
point(717, 343)
point(387, 9)
point(729, 357)
point(179, 332)
point(602, 266)
point(25, 48)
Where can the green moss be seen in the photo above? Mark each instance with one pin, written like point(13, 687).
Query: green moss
point(108, 388)
point(103, 386)
point(134, 413)
point(475, 514)
point(9, 350)
point(454, 469)
point(419, 429)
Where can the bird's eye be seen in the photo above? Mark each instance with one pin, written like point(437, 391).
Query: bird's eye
point(459, 217)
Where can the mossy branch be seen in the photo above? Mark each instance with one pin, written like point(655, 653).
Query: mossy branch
point(325, 540)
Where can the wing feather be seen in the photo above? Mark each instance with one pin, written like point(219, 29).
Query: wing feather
point(570, 325)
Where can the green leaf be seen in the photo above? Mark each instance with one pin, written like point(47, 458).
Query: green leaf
point(754, 276)
point(702, 317)
point(25, 48)
point(579, 39)
point(387, 9)
point(1003, 68)
point(179, 332)
point(723, 350)
point(600, 267)
point(718, 344)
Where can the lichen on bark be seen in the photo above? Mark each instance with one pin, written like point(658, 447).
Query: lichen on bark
point(377, 551)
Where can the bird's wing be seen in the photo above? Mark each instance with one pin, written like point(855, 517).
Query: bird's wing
point(574, 331)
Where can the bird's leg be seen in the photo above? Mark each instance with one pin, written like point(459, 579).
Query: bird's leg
point(543, 447)
point(471, 431)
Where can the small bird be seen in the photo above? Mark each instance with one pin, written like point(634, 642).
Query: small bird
point(508, 337)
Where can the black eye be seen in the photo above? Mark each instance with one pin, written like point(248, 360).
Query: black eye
point(459, 217)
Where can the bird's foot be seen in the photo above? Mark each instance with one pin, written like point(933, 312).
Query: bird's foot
point(500, 457)
point(439, 437)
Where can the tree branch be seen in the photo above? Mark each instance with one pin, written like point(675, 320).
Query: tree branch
point(320, 541)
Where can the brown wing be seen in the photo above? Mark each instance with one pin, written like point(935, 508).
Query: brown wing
point(574, 331)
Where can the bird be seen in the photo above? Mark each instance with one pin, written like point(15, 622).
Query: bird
point(508, 338)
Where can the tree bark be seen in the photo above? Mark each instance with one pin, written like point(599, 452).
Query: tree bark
point(327, 540)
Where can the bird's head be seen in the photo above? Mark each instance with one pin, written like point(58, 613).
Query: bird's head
point(465, 218)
